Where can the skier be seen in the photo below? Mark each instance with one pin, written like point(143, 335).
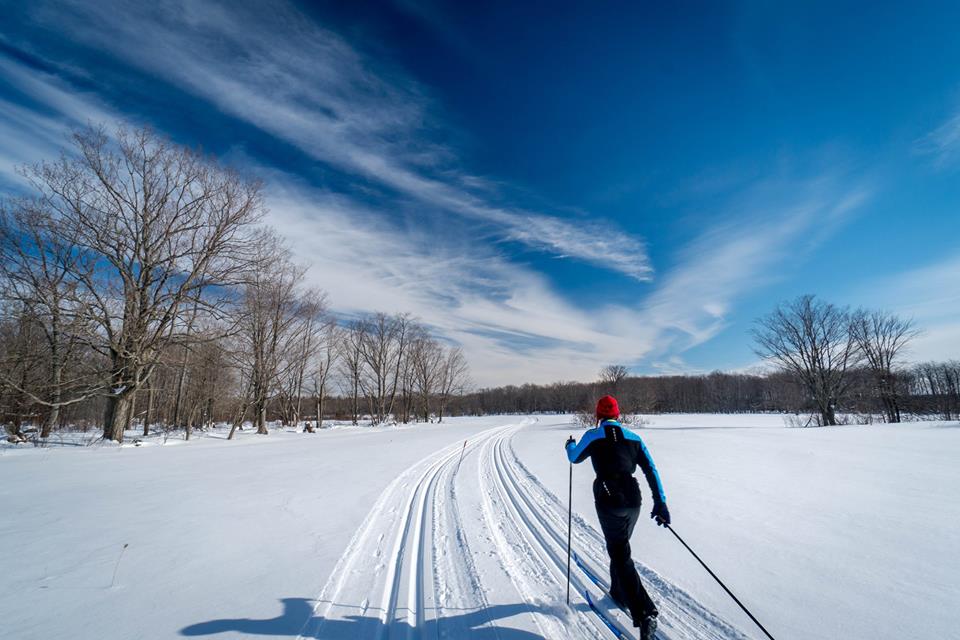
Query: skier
point(615, 452)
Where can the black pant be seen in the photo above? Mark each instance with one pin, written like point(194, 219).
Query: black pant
point(617, 524)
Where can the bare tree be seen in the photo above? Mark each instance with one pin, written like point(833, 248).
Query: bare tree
point(453, 378)
point(159, 223)
point(881, 336)
point(208, 381)
point(38, 274)
point(382, 350)
point(185, 347)
point(304, 338)
point(350, 356)
point(269, 322)
point(245, 375)
point(937, 388)
point(612, 375)
point(22, 358)
point(313, 311)
point(323, 361)
point(407, 372)
point(811, 340)
point(426, 360)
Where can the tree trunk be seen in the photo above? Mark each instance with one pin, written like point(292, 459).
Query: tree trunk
point(131, 412)
point(50, 422)
point(241, 410)
point(828, 415)
point(115, 416)
point(356, 400)
point(147, 418)
point(261, 416)
point(236, 423)
point(54, 415)
point(888, 394)
point(299, 394)
point(18, 424)
point(208, 419)
point(181, 382)
point(191, 420)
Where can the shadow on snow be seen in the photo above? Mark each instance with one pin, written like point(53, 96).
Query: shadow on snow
point(297, 619)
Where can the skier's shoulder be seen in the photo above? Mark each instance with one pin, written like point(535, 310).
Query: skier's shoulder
point(629, 434)
point(596, 433)
point(578, 452)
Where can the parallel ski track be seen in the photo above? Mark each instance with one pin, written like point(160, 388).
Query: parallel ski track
point(428, 561)
point(457, 581)
point(531, 555)
point(411, 535)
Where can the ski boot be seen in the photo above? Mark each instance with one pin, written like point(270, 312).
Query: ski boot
point(648, 625)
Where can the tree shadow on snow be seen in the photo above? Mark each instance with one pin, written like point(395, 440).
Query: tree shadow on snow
point(297, 620)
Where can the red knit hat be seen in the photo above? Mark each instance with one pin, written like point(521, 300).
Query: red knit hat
point(607, 407)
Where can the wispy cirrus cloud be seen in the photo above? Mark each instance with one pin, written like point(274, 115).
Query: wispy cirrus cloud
point(514, 325)
point(365, 259)
point(32, 134)
point(752, 244)
point(943, 143)
point(929, 295)
point(307, 86)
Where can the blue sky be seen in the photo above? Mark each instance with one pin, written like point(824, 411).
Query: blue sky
point(555, 186)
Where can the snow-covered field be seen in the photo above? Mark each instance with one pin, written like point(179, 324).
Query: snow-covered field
point(845, 532)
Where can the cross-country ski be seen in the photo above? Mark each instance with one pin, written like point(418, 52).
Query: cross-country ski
point(617, 632)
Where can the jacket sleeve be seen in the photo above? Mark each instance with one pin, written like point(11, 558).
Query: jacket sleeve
point(579, 452)
point(650, 472)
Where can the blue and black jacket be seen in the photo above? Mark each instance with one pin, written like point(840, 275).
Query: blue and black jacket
point(615, 452)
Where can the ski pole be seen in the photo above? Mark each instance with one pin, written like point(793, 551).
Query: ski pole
point(117, 566)
point(569, 526)
point(719, 581)
point(461, 456)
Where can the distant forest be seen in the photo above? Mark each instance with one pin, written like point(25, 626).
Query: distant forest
point(827, 364)
point(928, 390)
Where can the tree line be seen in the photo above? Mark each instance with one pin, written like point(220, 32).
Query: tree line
point(928, 389)
point(827, 362)
point(137, 286)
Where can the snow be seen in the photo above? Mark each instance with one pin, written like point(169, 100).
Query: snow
point(840, 532)
point(846, 532)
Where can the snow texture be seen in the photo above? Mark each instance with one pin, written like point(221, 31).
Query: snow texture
point(459, 530)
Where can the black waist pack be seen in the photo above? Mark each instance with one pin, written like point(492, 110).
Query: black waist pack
point(617, 491)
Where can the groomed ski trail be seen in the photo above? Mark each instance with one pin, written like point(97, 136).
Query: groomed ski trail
point(377, 590)
point(477, 549)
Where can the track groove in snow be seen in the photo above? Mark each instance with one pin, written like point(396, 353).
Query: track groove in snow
point(447, 554)
point(681, 615)
point(525, 556)
point(360, 574)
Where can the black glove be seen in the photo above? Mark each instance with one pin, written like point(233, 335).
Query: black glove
point(570, 441)
point(661, 514)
